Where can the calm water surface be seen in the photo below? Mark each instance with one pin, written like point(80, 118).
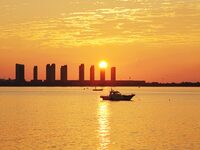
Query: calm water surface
point(74, 118)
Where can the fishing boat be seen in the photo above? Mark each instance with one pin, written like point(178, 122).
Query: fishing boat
point(98, 89)
point(117, 96)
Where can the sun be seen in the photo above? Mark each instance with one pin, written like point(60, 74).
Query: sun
point(103, 64)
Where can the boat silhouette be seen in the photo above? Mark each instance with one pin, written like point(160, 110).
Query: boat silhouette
point(97, 89)
point(117, 96)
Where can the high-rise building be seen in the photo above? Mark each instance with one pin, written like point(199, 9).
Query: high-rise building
point(63, 73)
point(113, 74)
point(102, 74)
point(51, 73)
point(92, 74)
point(81, 72)
point(48, 71)
point(35, 73)
point(19, 73)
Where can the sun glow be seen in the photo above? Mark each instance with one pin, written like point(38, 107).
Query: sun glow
point(103, 64)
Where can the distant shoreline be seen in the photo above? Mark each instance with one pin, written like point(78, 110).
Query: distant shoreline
point(77, 83)
point(2, 85)
point(100, 86)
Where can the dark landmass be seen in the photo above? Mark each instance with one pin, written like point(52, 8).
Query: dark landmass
point(96, 83)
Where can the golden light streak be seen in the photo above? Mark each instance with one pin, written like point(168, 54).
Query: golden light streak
point(103, 113)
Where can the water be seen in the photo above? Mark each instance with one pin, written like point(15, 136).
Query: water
point(74, 118)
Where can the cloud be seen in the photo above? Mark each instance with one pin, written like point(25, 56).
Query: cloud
point(170, 22)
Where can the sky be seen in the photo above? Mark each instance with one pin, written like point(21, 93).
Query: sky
point(152, 40)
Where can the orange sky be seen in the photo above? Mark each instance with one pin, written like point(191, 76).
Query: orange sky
point(153, 40)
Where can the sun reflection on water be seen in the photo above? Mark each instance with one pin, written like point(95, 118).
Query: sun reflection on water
point(103, 125)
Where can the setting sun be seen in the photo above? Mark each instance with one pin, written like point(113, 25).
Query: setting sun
point(103, 64)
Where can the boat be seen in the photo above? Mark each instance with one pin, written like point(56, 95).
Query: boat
point(96, 89)
point(117, 96)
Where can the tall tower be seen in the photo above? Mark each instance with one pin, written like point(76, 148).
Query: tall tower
point(92, 74)
point(102, 74)
point(35, 73)
point(81, 72)
point(113, 74)
point(51, 73)
point(19, 73)
point(63, 73)
point(48, 71)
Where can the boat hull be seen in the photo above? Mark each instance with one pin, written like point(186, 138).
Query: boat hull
point(118, 98)
point(97, 90)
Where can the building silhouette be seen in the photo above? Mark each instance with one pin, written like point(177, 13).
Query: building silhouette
point(51, 78)
point(102, 74)
point(19, 73)
point(50, 73)
point(81, 72)
point(63, 73)
point(35, 73)
point(113, 74)
point(92, 74)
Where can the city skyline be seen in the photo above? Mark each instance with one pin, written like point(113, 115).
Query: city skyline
point(150, 40)
point(74, 73)
point(52, 76)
